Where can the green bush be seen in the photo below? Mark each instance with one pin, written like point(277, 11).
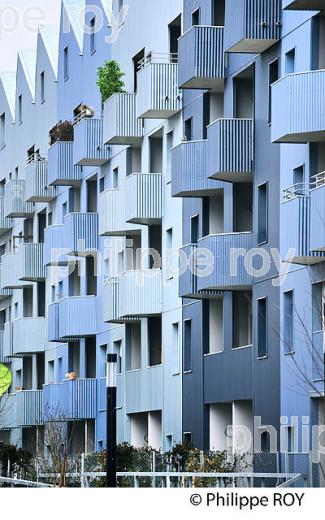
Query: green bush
point(109, 79)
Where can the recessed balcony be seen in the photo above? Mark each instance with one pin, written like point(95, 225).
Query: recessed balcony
point(144, 198)
point(227, 271)
point(133, 295)
point(231, 150)
point(61, 170)
point(158, 93)
point(71, 318)
point(37, 188)
point(15, 200)
point(10, 272)
point(112, 214)
point(252, 26)
point(80, 233)
point(31, 262)
point(70, 400)
point(22, 410)
point(25, 337)
point(121, 125)
point(201, 58)
point(88, 147)
point(5, 223)
point(317, 200)
point(304, 5)
point(189, 171)
point(298, 108)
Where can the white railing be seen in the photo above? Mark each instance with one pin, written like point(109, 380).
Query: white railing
point(154, 57)
point(35, 157)
point(296, 190)
point(86, 113)
point(319, 180)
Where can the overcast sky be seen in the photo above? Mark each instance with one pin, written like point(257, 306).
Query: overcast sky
point(18, 26)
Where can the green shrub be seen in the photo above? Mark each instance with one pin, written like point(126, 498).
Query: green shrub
point(109, 79)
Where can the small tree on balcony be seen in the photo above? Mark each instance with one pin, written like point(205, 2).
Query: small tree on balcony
point(109, 79)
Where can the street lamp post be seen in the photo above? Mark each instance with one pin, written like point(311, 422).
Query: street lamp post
point(111, 370)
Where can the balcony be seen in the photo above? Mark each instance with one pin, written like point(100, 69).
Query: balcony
point(4, 293)
point(317, 196)
point(72, 318)
point(80, 233)
point(71, 400)
point(188, 287)
point(15, 205)
point(10, 273)
point(201, 58)
point(189, 171)
point(304, 5)
point(31, 263)
point(121, 125)
point(252, 26)
point(88, 147)
point(144, 390)
point(112, 214)
point(28, 336)
point(228, 272)
point(295, 234)
point(158, 93)
point(133, 295)
point(22, 410)
point(144, 198)
point(5, 223)
point(231, 150)
point(37, 189)
point(54, 246)
point(61, 170)
point(298, 108)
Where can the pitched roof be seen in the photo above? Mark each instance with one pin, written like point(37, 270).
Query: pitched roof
point(27, 58)
point(75, 10)
point(50, 37)
point(8, 80)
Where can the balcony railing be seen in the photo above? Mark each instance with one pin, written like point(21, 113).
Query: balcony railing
point(61, 170)
point(144, 198)
point(5, 223)
point(230, 150)
point(201, 58)
point(31, 262)
point(298, 108)
point(72, 317)
point(317, 197)
point(228, 271)
point(133, 295)
point(121, 125)
point(252, 26)
point(80, 233)
point(4, 293)
point(189, 171)
point(37, 188)
point(28, 336)
point(88, 147)
point(70, 400)
point(22, 409)
point(112, 214)
point(304, 5)
point(54, 246)
point(15, 205)
point(10, 273)
point(144, 389)
point(158, 93)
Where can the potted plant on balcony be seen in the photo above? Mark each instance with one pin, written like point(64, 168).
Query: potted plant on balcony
point(109, 79)
point(62, 131)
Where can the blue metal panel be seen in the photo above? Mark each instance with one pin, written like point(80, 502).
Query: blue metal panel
point(112, 214)
point(317, 240)
point(71, 400)
point(61, 170)
point(144, 390)
point(54, 246)
point(144, 198)
point(121, 125)
point(77, 317)
point(31, 263)
point(15, 205)
point(53, 322)
point(89, 148)
point(37, 189)
point(201, 58)
point(29, 336)
point(5, 223)
point(22, 409)
point(81, 232)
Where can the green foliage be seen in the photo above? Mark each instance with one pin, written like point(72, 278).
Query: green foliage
point(20, 460)
point(109, 79)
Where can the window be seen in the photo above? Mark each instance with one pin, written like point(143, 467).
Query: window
point(242, 319)
point(299, 177)
point(187, 438)
point(66, 63)
point(20, 109)
point(288, 321)
point(115, 178)
point(215, 327)
point(317, 311)
point(101, 184)
point(188, 130)
point(262, 233)
point(290, 61)
point(273, 77)
point(196, 16)
point(218, 13)
point(155, 341)
point(42, 87)
point(175, 345)
point(92, 26)
point(262, 328)
point(3, 130)
point(102, 361)
point(117, 346)
point(194, 229)
point(50, 375)
point(187, 346)
point(136, 60)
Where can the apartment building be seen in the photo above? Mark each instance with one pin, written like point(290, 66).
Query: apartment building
point(214, 151)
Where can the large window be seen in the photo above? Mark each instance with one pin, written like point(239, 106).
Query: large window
point(262, 234)
point(288, 321)
point(242, 319)
point(262, 328)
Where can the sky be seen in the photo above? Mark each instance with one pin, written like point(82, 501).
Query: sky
point(18, 26)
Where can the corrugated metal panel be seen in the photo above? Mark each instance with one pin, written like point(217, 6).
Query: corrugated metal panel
point(1, 347)
point(140, 293)
point(112, 214)
point(227, 270)
point(53, 323)
point(201, 57)
point(77, 317)
point(158, 93)
point(54, 246)
point(189, 170)
point(31, 262)
point(29, 411)
point(7, 340)
point(188, 279)
point(88, 147)
point(261, 18)
point(37, 189)
point(81, 232)
point(121, 125)
point(9, 273)
point(15, 205)
point(230, 147)
point(29, 336)
point(111, 300)
point(71, 400)
point(144, 198)
point(144, 390)
point(61, 170)
point(5, 223)
point(8, 418)
point(317, 241)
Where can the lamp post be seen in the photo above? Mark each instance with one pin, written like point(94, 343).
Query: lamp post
point(111, 370)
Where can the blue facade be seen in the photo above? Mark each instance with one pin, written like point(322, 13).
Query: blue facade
point(214, 151)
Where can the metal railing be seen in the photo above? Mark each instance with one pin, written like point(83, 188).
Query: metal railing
point(35, 157)
point(154, 57)
point(12, 482)
point(319, 180)
point(84, 114)
point(296, 190)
